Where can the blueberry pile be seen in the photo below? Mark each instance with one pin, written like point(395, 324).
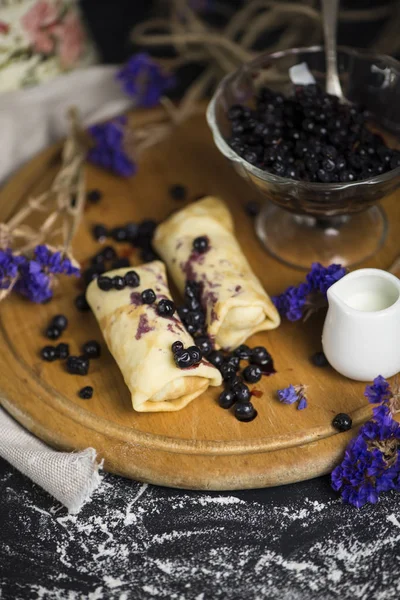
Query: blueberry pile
point(191, 313)
point(76, 365)
point(139, 235)
point(237, 392)
point(130, 279)
point(309, 136)
point(186, 357)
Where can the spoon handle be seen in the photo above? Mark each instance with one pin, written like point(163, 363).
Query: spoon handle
point(330, 9)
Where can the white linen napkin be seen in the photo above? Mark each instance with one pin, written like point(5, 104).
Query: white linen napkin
point(30, 120)
point(33, 118)
point(70, 477)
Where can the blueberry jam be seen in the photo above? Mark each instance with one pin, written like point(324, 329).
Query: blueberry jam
point(309, 136)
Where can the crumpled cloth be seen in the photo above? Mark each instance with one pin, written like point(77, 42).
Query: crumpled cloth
point(30, 120)
point(70, 477)
point(33, 118)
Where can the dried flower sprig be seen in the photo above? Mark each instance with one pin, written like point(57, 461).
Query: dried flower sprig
point(27, 265)
point(299, 301)
point(371, 462)
point(292, 394)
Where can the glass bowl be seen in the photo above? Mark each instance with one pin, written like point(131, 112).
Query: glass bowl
point(302, 222)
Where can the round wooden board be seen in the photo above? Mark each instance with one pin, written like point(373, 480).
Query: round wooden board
point(202, 446)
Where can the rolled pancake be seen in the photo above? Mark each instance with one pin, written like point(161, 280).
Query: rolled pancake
point(140, 341)
point(235, 302)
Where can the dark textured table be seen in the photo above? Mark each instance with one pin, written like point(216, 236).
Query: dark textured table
point(138, 541)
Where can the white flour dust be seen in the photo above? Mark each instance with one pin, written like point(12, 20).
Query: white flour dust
point(135, 541)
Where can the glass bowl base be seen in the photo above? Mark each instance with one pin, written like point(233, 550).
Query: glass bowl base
point(298, 240)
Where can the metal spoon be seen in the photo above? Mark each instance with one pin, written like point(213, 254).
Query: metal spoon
point(330, 10)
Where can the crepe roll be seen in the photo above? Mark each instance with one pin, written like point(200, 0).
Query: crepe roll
point(140, 340)
point(233, 298)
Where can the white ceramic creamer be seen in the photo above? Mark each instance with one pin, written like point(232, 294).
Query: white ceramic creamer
point(361, 335)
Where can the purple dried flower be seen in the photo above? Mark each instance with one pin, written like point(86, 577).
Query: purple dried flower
point(371, 462)
point(9, 264)
point(144, 80)
point(36, 275)
point(291, 303)
point(321, 278)
point(287, 395)
point(293, 393)
point(379, 391)
point(295, 299)
point(302, 404)
point(108, 151)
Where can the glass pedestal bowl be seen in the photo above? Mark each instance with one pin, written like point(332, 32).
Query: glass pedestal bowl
point(302, 222)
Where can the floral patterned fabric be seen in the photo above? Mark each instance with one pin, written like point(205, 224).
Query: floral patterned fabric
point(40, 39)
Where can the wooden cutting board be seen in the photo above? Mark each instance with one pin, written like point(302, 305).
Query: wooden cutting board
point(202, 446)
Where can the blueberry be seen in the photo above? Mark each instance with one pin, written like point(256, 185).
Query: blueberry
point(232, 383)
point(132, 279)
point(252, 208)
point(193, 304)
point(216, 358)
point(395, 161)
point(109, 253)
point(81, 303)
point(342, 422)
point(165, 308)
point(234, 361)
point(195, 354)
point(94, 196)
point(183, 359)
point(236, 111)
point(62, 351)
point(77, 365)
point(178, 192)
point(260, 356)
point(148, 296)
point(132, 230)
point(119, 234)
point(100, 232)
point(192, 289)
point(245, 411)
point(177, 346)
point(91, 349)
point(60, 321)
point(148, 255)
point(147, 228)
point(242, 392)
point(201, 244)
point(104, 283)
point(92, 273)
point(97, 259)
point(226, 399)
point(86, 392)
point(227, 371)
point(53, 332)
point(319, 359)
point(118, 282)
point(243, 352)
point(205, 345)
point(49, 353)
point(252, 373)
point(328, 165)
point(121, 263)
point(191, 329)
